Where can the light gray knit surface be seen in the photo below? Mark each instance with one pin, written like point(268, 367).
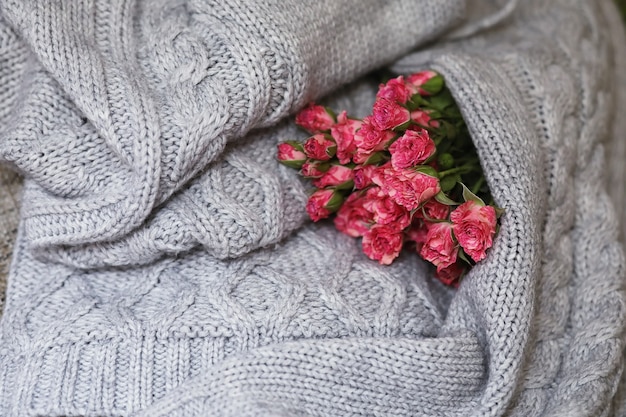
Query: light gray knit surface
point(164, 267)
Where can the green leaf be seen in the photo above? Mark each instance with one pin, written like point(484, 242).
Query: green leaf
point(464, 257)
point(404, 126)
point(348, 185)
point(293, 164)
point(331, 113)
point(413, 105)
point(297, 145)
point(442, 100)
point(499, 211)
point(444, 199)
point(416, 102)
point(434, 85)
point(376, 158)
point(427, 169)
point(335, 202)
point(468, 195)
point(331, 151)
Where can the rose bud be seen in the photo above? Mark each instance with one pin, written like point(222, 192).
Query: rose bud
point(411, 149)
point(385, 210)
point(315, 118)
point(352, 219)
point(314, 169)
point(369, 138)
point(338, 176)
point(383, 243)
point(323, 203)
point(440, 249)
point(408, 187)
point(445, 161)
point(291, 154)
point(388, 115)
point(343, 132)
point(422, 118)
point(426, 82)
point(474, 228)
point(363, 176)
point(451, 274)
point(320, 147)
point(395, 90)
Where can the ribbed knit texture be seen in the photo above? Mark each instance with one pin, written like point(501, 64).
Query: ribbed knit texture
point(164, 267)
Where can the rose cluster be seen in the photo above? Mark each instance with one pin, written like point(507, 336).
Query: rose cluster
point(400, 176)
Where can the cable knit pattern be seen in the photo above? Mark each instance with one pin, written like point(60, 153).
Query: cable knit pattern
point(137, 97)
point(217, 300)
point(241, 202)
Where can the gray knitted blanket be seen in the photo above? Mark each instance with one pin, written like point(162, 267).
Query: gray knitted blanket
point(164, 265)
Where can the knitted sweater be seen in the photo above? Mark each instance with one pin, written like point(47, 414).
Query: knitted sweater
point(164, 267)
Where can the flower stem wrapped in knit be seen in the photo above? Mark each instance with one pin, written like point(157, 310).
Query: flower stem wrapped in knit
point(402, 173)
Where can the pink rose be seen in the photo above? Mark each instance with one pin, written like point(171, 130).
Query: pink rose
point(378, 174)
point(451, 274)
point(382, 243)
point(320, 147)
point(434, 210)
point(363, 176)
point(312, 169)
point(315, 118)
point(343, 133)
point(419, 79)
point(395, 90)
point(411, 149)
point(291, 155)
point(352, 219)
point(440, 248)
point(388, 115)
point(408, 187)
point(369, 138)
point(323, 203)
point(385, 210)
point(422, 118)
point(474, 228)
point(335, 176)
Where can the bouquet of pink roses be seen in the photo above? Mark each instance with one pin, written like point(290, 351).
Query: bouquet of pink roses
point(406, 175)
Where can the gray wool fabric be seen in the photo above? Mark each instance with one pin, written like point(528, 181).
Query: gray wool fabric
point(164, 265)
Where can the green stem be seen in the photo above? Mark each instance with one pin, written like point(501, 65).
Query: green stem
point(478, 184)
point(462, 169)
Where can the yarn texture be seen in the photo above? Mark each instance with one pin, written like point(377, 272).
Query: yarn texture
point(164, 265)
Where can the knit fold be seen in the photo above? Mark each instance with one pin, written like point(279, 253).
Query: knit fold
point(334, 375)
point(125, 102)
point(242, 202)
